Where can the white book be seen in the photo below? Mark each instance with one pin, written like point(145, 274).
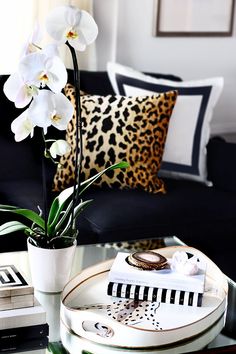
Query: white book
point(146, 293)
point(122, 272)
point(18, 298)
point(21, 317)
point(15, 303)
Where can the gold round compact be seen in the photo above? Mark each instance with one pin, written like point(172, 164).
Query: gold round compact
point(147, 260)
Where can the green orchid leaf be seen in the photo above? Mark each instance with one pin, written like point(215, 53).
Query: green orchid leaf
point(59, 219)
point(12, 226)
point(67, 217)
point(29, 214)
point(85, 184)
point(82, 205)
point(8, 207)
point(60, 201)
point(58, 205)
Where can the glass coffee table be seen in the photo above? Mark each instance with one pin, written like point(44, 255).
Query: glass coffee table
point(224, 335)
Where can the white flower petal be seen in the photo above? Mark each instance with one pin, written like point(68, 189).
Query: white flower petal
point(31, 67)
point(41, 109)
point(63, 111)
point(23, 97)
point(79, 43)
point(17, 91)
point(12, 86)
point(58, 75)
point(88, 27)
point(31, 45)
point(60, 148)
point(22, 126)
point(37, 34)
point(69, 23)
point(56, 24)
point(51, 50)
point(50, 108)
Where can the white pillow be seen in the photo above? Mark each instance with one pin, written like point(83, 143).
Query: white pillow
point(189, 127)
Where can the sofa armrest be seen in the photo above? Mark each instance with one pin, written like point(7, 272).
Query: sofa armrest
point(221, 163)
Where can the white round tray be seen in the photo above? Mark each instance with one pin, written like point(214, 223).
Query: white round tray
point(76, 344)
point(89, 312)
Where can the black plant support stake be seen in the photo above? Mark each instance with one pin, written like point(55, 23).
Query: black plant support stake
point(45, 206)
point(78, 132)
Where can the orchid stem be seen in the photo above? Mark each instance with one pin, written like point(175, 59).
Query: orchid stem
point(78, 133)
point(45, 206)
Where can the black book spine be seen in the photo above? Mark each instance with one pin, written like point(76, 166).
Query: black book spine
point(146, 293)
point(24, 333)
point(29, 345)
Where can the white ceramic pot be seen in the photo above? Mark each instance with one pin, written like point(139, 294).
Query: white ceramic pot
point(50, 268)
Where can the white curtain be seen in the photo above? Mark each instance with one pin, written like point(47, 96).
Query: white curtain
point(17, 19)
point(16, 23)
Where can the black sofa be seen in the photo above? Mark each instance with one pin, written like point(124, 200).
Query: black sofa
point(203, 217)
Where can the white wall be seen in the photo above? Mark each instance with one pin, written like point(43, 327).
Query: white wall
point(190, 58)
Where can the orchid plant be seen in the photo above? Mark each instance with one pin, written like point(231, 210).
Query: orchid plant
point(38, 85)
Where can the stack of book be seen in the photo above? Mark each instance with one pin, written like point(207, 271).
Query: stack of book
point(15, 292)
point(23, 325)
point(164, 285)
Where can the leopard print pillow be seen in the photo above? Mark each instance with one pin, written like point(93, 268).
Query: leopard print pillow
point(116, 128)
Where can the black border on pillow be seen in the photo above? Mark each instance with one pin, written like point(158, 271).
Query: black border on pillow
point(203, 91)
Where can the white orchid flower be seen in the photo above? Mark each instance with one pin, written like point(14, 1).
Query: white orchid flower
point(34, 39)
point(32, 45)
point(68, 23)
point(59, 148)
point(50, 108)
point(182, 264)
point(17, 90)
point(22, 126)
point(40, 70)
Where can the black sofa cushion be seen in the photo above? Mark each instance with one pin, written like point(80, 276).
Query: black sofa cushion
point(222, 164)
point(185, 209)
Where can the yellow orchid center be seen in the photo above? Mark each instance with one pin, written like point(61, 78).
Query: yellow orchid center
point(43, 78)
point(72, 34)
point(31, 48)
point(56, 117)
point(31, 90)
point(28, 125)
